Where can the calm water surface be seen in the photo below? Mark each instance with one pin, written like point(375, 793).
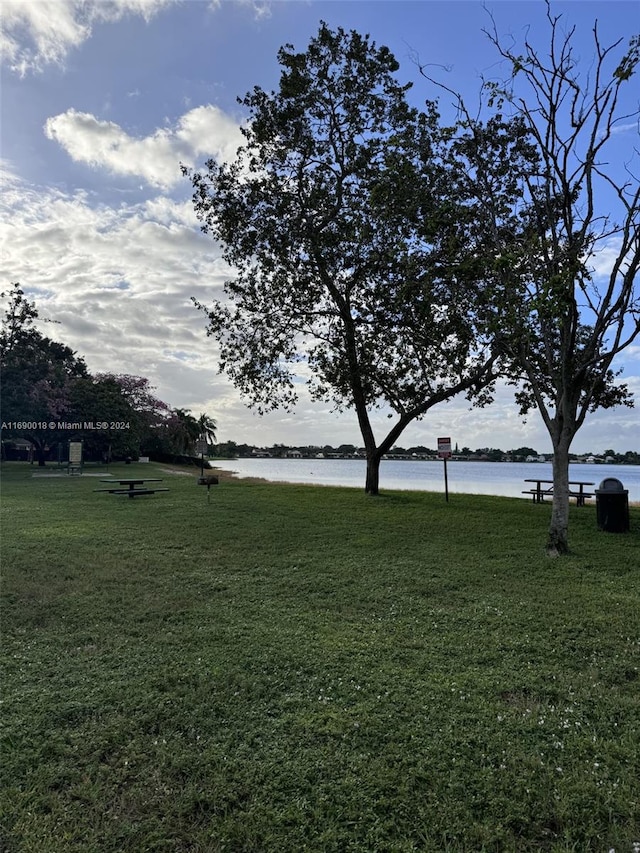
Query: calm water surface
point(481, 478)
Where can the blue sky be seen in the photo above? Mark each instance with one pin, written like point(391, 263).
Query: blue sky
point(100, 104)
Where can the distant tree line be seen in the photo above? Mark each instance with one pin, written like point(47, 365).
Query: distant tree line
point(231, 450)
point(48, 397)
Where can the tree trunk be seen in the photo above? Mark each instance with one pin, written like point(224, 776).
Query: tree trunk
point(373, 473)
point(558, 540)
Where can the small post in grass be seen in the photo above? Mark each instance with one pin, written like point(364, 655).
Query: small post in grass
point(444, 452)
point(201, 446)
point(210, 479)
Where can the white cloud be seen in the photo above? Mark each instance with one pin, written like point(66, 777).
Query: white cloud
point(632, 353)
point(119, 280)
point(622, 128)
point(625, 128)
point(603, 260)
point(36, 33)
point(261, 8)
point(205, 130)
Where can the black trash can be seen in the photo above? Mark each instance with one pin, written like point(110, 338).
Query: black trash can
point(612, 506)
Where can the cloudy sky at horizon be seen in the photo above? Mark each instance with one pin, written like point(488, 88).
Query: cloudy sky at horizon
point(102, 101)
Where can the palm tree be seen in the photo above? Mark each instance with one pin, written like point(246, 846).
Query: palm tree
point(185, 431)
point(207, 427)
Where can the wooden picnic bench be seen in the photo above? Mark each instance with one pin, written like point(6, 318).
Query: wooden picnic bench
point(544, 488)
point(130, 489)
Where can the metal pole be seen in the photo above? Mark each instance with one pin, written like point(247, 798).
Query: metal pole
point(446, 481)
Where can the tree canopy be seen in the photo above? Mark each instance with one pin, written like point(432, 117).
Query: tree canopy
point(342, 216)
point(49, 397)
point(561, 322)
point(38, 373)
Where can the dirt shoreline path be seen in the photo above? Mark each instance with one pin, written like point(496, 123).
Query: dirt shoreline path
point(222, 474)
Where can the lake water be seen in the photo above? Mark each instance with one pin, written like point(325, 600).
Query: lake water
point(481, 478)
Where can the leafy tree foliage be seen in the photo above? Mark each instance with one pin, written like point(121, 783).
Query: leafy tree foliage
point(569, 325)
point(44, 383)
point(150, 416)
point(341, 217)
point(558, 321)
point(208, 428)
point(184, 431)
point(523, 452)
point(100, 400)
point(37, 374)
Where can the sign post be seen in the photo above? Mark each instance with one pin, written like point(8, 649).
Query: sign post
point(75, 458)
point(444, 452)
point(201, 448)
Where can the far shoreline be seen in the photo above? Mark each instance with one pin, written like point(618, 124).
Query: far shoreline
point(227, 473)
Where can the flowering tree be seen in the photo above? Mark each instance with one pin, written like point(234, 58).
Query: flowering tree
point(38, 375)
point(150, 416)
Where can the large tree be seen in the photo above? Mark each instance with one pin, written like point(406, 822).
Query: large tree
point(558, 272)
point(208, 427)
point(339, 216)
point(569, 279)
point(100, 400)
point(149, 423)
point(38, 375)
point(184, 431)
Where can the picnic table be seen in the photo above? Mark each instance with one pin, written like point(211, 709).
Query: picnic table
point(130, 489)
point(544, 488)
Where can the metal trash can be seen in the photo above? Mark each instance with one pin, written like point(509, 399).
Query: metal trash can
point(612, 506)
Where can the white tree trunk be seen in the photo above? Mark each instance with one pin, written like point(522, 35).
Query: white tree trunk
point(558, 540)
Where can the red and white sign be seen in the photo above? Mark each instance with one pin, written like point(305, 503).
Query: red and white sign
point(444, 448)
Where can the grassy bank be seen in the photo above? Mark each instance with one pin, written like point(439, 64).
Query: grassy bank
point(298, 668)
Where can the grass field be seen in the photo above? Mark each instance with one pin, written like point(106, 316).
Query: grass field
point(297, 668)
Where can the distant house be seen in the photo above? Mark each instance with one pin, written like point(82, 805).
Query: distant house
point(294, 454)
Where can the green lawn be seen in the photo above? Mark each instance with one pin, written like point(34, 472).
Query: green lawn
point(298, 668)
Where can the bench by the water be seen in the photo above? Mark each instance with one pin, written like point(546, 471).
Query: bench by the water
point(544, 488)
point(131, 490)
